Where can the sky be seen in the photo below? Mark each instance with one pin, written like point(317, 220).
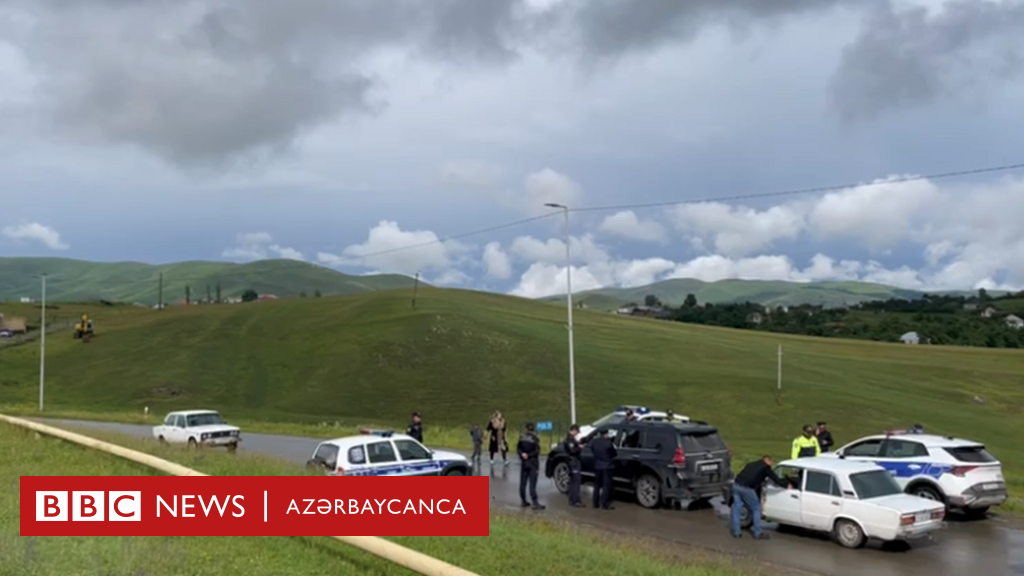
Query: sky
point(406, 136)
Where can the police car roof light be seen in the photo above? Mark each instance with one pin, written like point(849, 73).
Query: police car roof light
point(635, 409)
point(381, 433)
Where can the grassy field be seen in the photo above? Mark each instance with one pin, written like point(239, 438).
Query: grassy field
point(555, 548)
point(78, 280)
point(459, 355)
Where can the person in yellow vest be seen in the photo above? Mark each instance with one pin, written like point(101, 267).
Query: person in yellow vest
point(806, 445)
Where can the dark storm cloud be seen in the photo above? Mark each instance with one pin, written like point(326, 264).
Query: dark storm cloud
point(909, 57)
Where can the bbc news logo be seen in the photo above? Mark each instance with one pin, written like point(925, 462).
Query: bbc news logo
point(88, 506)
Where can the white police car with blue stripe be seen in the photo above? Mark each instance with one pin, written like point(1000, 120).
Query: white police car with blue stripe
point(957, 472)
point(384, 453)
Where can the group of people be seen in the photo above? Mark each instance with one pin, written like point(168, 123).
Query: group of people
point(812, 442)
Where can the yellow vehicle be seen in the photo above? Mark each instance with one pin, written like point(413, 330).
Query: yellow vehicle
point(84, 329)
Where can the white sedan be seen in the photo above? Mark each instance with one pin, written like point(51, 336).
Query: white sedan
point(854, 501)
point(197, 428)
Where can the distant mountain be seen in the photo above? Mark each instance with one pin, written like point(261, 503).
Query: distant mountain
point(774, 293)
point(79, 280)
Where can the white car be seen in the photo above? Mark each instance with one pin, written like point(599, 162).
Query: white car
point(854, 501)
point(197, 428)
point(619, 415)
point(384, 453)
point(959, 473)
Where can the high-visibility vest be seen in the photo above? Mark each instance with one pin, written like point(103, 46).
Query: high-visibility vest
point(804, 447)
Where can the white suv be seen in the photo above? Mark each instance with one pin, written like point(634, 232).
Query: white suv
point(619, 415)
point(960, 473)
point(197, 428)
point(384, 453)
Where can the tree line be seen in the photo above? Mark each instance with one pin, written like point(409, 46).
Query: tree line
point(937, 319)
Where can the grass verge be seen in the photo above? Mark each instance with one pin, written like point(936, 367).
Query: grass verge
point(515, 546)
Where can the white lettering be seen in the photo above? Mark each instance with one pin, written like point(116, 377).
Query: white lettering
point(185, 506)
point(308, 506)
point(353, 506)
point(380, 506)
point(409, 506)
point(458, 506)
point(339, 505)
point(367, 505)
point(292, 505)
point(241, 511)
point(439, 506)
point(389, 506)
point(214, 502)
point(173, 511)
point(321, 508)
point(429, 507)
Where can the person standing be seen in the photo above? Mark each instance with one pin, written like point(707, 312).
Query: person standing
point(496, 439)
point(573, 449)
point(806, 445)
point(477, 435)
point(528, 449)
point(744, 493)
point(416, 428)
point(604, 463)
point(824, 437)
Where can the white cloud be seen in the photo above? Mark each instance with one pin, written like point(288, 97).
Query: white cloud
point(496, 261)
point(880, 214)
point(552, 250)
point(259, 246)
point(390, 249)
point(36, 232)
point(625, 224)
point(736, 230)
point(472, 174)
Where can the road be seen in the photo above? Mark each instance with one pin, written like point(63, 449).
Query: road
point(993, 547)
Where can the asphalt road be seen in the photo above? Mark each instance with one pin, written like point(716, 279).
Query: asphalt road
point(992, 547)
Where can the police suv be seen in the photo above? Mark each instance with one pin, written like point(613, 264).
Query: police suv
point(384, 453)
point(619, 416)
point(957, 472)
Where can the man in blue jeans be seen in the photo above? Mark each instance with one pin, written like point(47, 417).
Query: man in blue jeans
point(744, 493)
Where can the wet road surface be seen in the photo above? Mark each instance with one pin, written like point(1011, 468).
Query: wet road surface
point(990, 547)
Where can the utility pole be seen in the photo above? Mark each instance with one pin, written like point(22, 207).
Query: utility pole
point(42, 345)
point(415, 288)
point(160, 293)
point(778, 389)
point(568, 306)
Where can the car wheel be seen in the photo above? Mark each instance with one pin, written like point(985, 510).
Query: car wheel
point(561, 477)
point(648, 491)
point(455, 472)
point(161, 440)
point(927, 492)
point(192, 444)
point(848, 534)
point(233, 447)
point(746, 518)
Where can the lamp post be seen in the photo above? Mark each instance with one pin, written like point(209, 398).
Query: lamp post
point(42, 343)
point(568, 309)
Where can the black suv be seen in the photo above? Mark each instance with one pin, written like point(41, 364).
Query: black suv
point(660, 462)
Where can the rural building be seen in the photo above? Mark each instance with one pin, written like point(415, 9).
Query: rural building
point(13, 325)
point(26, 300)
point(910, 338)
point(755, 318)
point(988, 312)
point(971, 306)
point(268, 297)
point(626, 310)
point(1014, 322)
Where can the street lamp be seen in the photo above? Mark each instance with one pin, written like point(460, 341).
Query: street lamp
point(42, 342)
point(568, 309)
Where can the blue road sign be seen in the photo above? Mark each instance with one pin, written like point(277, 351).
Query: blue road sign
point(545, 426)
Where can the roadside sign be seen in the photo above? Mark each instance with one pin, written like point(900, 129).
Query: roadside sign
point(545, 426)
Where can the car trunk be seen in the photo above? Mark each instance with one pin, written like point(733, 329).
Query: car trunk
point(707, 456)
point(977, 466)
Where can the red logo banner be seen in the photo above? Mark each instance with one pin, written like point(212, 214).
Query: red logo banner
point(254, 506)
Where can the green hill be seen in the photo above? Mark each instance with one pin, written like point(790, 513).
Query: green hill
point(773, 293)
point(81, 281)
point(460, 355)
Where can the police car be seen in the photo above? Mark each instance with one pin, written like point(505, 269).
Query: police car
point(384, 453)
point(619, 415)
point(957, 472)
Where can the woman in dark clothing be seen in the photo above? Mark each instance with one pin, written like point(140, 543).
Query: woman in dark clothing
point(496, 437)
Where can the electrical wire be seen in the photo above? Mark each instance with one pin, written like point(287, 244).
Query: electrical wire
point(753, 196)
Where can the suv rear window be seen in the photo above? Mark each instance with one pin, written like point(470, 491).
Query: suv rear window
point(702, 441)
point(970, 454)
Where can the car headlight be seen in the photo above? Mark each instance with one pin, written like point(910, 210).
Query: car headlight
point(234, 432)
point(204, 436)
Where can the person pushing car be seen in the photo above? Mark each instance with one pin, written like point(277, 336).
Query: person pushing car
point(806, 445)
point(744, 494)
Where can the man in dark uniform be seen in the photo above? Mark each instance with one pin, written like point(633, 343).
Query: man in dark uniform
point(573, 449)
point(744, 493)
point(824, 438)
point(604, 462)
point(528, 449)
point(416, 428)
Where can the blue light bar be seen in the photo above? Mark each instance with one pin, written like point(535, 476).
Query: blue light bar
point(381, 433)
point(635, 409)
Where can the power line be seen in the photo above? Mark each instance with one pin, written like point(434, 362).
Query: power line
point(752, 196)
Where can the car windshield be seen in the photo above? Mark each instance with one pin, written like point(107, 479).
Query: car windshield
point(971, 454)
point(204, 419)
point(613, 418)
point(874, 484)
